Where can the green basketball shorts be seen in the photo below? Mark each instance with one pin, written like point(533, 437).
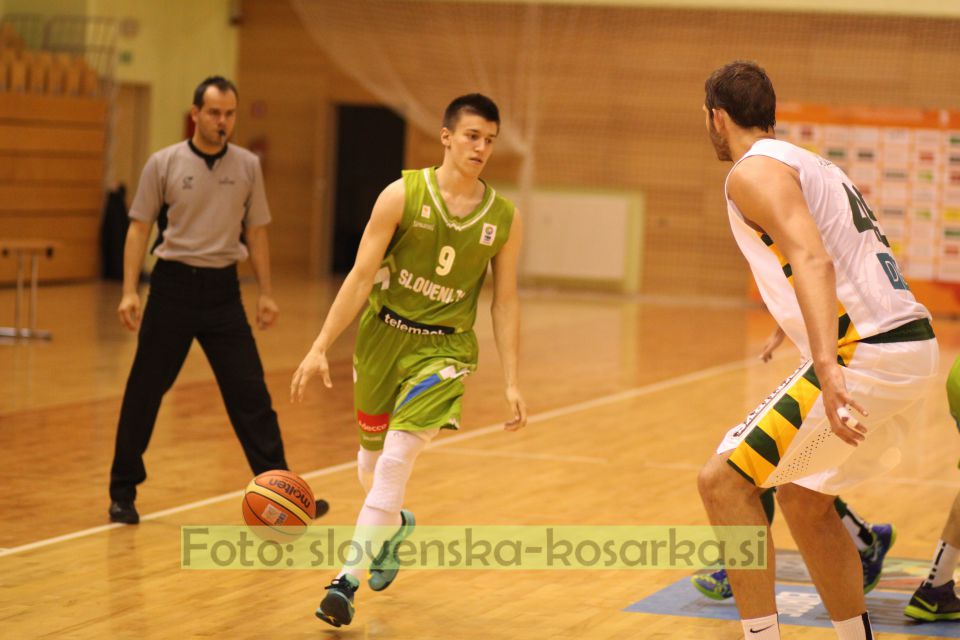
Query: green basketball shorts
point(408, 381)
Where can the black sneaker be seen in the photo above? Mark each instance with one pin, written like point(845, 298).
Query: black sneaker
point(930, 604)
point(337, 606)
point(321, 508)
point(125, 512)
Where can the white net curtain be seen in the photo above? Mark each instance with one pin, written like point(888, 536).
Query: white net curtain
point(608, 97)
point(416, 56)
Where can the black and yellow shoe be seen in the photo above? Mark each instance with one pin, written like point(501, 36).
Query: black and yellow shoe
point(715, 586)
point(384, 568)
point(930, 604)
point(337, 606)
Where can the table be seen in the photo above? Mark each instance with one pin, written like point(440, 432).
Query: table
point(23, 248)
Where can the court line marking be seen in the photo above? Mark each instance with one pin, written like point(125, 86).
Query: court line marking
point(612, 398)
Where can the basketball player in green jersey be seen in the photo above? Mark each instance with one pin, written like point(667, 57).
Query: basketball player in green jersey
point(935, 599)
point(420, 266)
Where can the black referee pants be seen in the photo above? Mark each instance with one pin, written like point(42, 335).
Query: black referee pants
point(186, 303)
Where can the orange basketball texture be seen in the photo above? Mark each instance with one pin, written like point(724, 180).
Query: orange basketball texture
point(280, 500)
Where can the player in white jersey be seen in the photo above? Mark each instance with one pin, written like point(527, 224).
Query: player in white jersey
point(873, 541)
point(826, 274)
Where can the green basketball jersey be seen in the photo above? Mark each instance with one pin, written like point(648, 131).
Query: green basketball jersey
point(435, 265)
point(953, 391)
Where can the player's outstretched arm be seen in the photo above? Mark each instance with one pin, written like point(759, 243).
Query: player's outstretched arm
point(768, 194)
point(506, 320)
point(386, 216)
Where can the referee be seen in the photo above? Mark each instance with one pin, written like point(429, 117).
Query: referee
point(204, 194)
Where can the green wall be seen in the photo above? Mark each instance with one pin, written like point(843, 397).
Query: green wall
point(44, 7)
point(178, 43)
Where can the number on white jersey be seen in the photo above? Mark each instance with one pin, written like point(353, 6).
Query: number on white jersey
point(863, 216)
point(865, 220)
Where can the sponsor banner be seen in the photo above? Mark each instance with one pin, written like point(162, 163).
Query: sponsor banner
point(903, 160)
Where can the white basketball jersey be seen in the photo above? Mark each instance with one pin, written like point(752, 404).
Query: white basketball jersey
point(872, 294)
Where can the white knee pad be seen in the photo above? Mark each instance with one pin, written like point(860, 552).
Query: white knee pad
point(389, 485)
point(400, 450)
point(366, 464)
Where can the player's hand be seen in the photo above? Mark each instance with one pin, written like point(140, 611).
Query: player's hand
point(837, 403)
point(519, 409)
point(267, 312)
point(774, 341)
point(315, 363)
point(129, 311)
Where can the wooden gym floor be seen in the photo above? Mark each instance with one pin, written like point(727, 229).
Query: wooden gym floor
point(628, 399)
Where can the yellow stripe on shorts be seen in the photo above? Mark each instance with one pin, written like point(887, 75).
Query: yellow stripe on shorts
point(759, 453)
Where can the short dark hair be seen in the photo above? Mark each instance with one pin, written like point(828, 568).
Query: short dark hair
point(474, 103)
point(743, 90)
point(213, 81)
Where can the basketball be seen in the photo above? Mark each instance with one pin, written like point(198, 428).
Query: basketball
point(280, 500)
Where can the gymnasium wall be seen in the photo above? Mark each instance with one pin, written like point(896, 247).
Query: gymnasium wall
point(51, 162)
point(52, 136)
point(941, 8)
point(288, 95)
point(177, 43)
point(647, 134)
point(53, 149)
point(44, 7)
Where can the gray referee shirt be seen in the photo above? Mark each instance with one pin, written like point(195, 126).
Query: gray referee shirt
point(206, 208)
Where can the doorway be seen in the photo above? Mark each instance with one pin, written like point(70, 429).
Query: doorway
point(369, 156)
point(129, 140)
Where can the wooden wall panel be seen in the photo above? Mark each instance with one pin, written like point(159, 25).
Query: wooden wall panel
point(58, 170)
point(281, 69)
point(72, 228)
point(73, 111)
point(49, 139)
point(51, 173)
point(73, 261)
point(76, 258)
point(48, 198)
point(635, 125)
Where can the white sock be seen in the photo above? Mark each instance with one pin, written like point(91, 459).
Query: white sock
point(858, 528)
point(766, 628)
point(366, 464)
point(370, 540)
point(380, 516)
point(944, 562)
point(857, 628)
